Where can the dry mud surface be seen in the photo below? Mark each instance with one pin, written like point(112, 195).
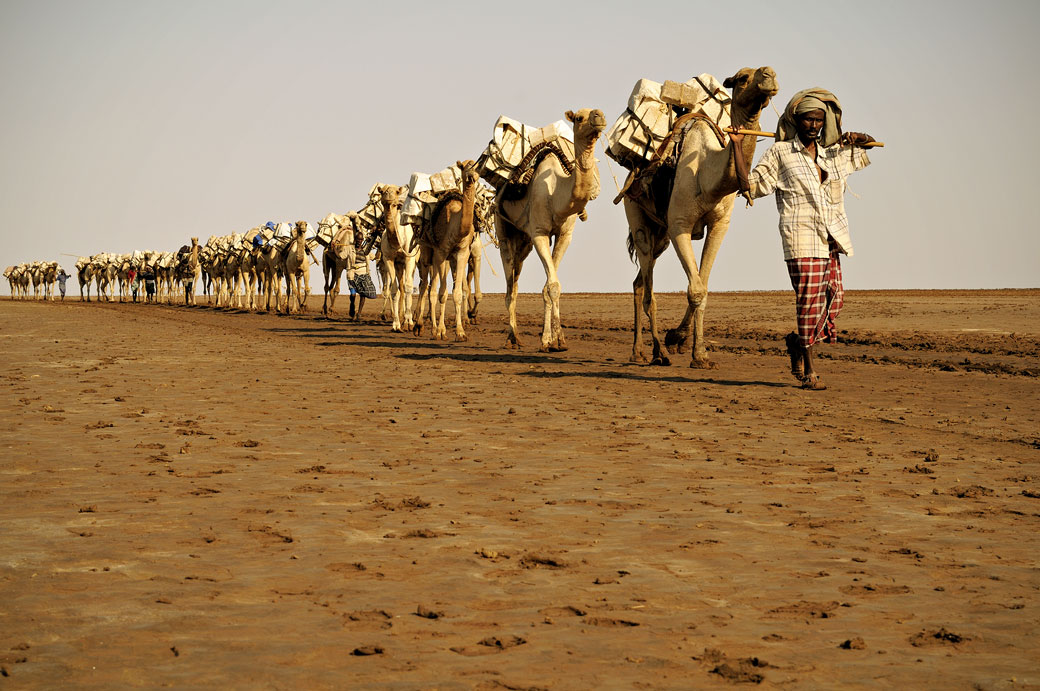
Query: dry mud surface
point(202, 498)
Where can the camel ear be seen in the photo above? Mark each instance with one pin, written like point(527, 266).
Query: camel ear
point(736, 79)
point(460, 164)
point(570, 115)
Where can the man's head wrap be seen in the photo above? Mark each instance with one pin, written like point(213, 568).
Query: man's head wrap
point(803, 102)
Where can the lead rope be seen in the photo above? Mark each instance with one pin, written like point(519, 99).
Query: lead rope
point(610, 167)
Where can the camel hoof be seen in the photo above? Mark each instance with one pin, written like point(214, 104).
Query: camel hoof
point(417, 330)
point(703, 364)
point(557, 348)
point(675, 342)
point(661, 361)
point(461, 338)
point(638, 358)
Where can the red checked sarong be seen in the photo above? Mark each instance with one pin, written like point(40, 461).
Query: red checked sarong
point(819, 296)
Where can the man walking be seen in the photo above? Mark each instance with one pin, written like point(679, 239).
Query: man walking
point(807, 168)
point(62, 277)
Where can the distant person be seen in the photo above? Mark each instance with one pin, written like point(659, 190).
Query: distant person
point(131, 276)
point(62, 277)
point(149, 283)
point(807, 168)
point(135, 284)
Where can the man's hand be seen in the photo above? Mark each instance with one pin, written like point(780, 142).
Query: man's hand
point(856, 138)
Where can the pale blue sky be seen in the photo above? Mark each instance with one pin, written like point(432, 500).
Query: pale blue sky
point(135, 125)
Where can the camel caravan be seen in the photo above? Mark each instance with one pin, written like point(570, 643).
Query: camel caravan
point(525, 191)
point(42, 276)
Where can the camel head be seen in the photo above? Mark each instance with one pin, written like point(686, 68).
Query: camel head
point(753, 88)
point(300, 229)
point(392, 197)
point(588, 124)
point(470, 175)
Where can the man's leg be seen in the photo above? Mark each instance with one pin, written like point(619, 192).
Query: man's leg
point(811, 307)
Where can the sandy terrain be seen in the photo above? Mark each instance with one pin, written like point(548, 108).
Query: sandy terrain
point(194, 497)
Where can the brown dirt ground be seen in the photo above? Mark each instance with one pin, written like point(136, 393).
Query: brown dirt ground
point(193, 497)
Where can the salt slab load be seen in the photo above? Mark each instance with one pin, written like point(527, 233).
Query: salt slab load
point(512, 140)
point(653, 109)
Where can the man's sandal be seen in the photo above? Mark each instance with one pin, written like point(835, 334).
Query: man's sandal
point(812, 383)
point(794, 350)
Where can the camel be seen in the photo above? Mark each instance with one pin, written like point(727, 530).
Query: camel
point(188, 271)
point(700, 204)
point(24, 280)
point(16, 276)
point(84, 274)
point(269, 267)
point(450, 238)
point(296, 266)
point(398, 255)
point(340, 255)
point(123, 266)
point(384, 283)
point(230, 266)
point(105, 275)
point(247, 258)
point(207, 267)
point(49, 277)
point(36, 276)
point(485, 215)
point(165, 266)
point(546, 212)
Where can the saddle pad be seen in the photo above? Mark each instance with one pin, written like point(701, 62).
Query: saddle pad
point(364, 286)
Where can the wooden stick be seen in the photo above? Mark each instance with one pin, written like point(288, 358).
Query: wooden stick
point(758, 133)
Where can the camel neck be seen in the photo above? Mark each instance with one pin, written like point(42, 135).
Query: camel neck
point(586, 176)
point(469, 203)
point(390, 221)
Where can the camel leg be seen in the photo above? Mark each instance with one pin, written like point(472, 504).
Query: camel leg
point(395, 281)
point(387, 277)
point(638, 290)
point(440, 275)
point(331, 295)
point(409, 283)
point(458, 281)
point(718, 224)
point(650, 307)
point(326, 272)
point(425, 290)
point(440, 310)
point(306, 288)
point(550, 293)
point(476, 296)
point(557, 340)
point(696, 292)
point(292, 291)
point(512, 263)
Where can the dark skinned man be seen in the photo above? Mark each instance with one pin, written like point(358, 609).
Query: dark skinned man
point(806, 169)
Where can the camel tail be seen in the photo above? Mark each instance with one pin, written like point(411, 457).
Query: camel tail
point(630, 243)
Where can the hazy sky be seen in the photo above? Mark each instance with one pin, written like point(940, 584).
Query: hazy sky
point(138, 124)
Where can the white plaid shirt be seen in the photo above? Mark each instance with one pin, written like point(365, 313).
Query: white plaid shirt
point(810, 210)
